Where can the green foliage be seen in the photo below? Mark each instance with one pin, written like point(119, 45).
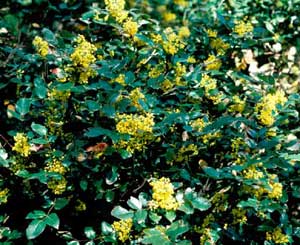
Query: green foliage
point(149, 122)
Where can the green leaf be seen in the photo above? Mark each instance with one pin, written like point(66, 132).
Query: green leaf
point(73, 243)
point(49, 36)
point(40, 88)
point(201, 203)
point(98, 131)
point(134, 203)
point(176, 229)
point(23, 106)
point(121, 213)
point(52, 220)
point(187, 208)
point(251, 202)
point(35, 228)
point(39, 129)
point(112, 176)
point(154, 236)
point(83, 185)
point(211, 172)
point(140, 216)
point(3, 157)
point(60, 203)
point(154, 217)
point(89, 232)
point(106, 228)
point(36, 214)
point(170, 215)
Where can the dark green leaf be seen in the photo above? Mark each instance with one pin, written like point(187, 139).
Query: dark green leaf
point(35, 228)
point(89, 232)
point(39, 129)
point(176, 229)
point(52, 220)
point(121, 213)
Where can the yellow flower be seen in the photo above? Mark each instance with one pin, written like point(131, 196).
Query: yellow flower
point(121, 79)
point(58, 186)
point(276, 190)
point(219, 45)
point(21, 145)
point(267, 108)
point(238, 104)
point(173, 43)
point(41, 46)
point(123, 228)
point(139, 127)
point(4, 195)
point(81, 206)
point(169, 16)
point(83, 54)
point(163, 192)
point(182, 3)
point(55, 166)
point(212, 63)
point(191, 60)
point(212, 33)
point(135, 96)
point(239, 216)
point(116, 9)
point(242, 28)
point(130, 27)
point(277, 236)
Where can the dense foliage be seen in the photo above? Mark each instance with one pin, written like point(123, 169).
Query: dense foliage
point(149, 122)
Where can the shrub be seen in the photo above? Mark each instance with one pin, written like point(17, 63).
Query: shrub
point(149, 122)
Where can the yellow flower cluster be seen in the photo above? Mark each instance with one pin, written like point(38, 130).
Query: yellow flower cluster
point(139, 127)
point(182, 3)
point(83, 54)
point(55, 166)
point(173, 43)
point(169, 16)
point(162, 195)
point(135, 96)
point(267, 108)
point(4, 195)
point(277, 236)
point(219, 200)
point(206, 237)
point(21, 145)
point(81, 206)
point(242, 28)
point(83, 57)
point(185, 152)
point(198, 124)
point(166, 85)
point(212, 63)
point(41, 46)
point(252, 173)
point(57, 186)
point(209, 84)
point(180, 71)
point(184, 32)
point(121, 79)
point(238, 104)
point(156, 71)
point(219, 45)
point(116, 9)
point(276, 190)
point(239, 216)
point(130, 27)
point(55, 94)
point(212, 33)
point(123, 228)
